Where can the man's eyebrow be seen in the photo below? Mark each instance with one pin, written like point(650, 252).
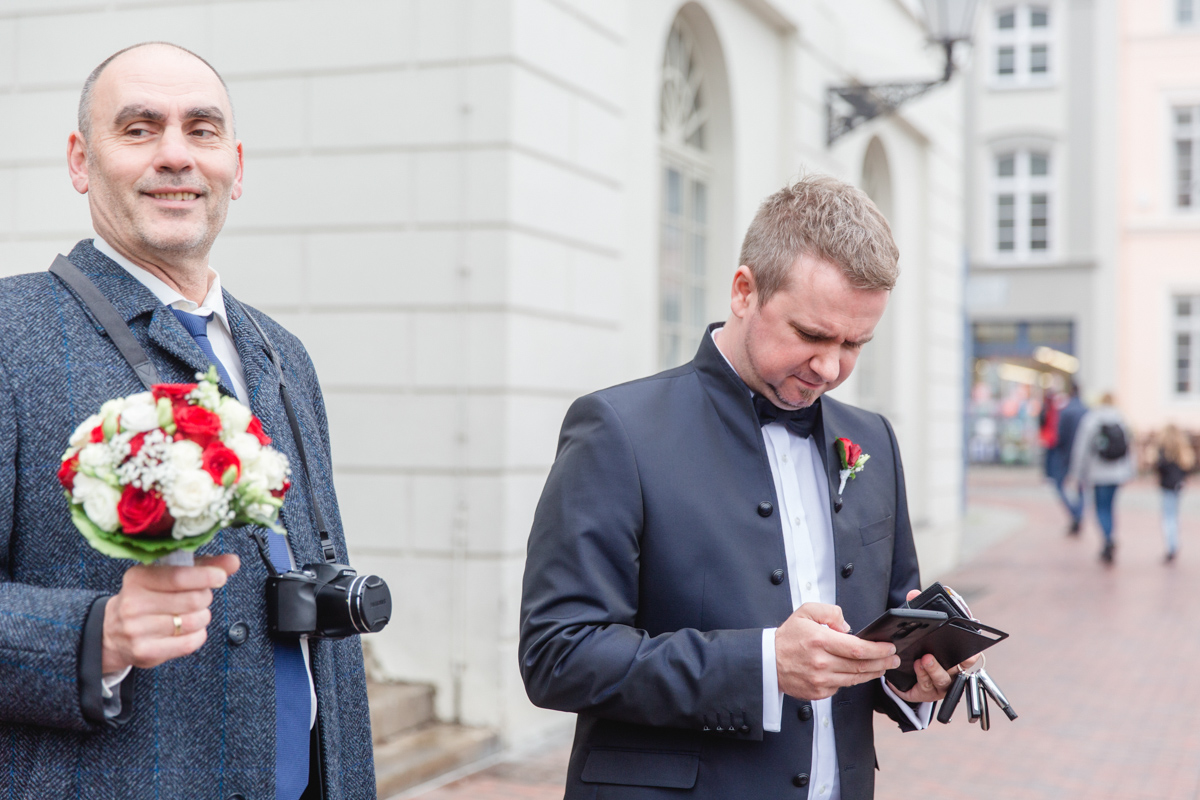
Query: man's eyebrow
point(211, 113)
point(826, 337)
point(130, 113)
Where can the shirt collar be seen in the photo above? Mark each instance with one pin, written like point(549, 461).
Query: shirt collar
point(214, 301)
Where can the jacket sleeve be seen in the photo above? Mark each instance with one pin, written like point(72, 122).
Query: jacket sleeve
point(905, 574)
point(44, 677)
point(580, 647)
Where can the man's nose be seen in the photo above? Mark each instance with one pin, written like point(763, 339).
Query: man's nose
point(173, 154)
point(826, 364)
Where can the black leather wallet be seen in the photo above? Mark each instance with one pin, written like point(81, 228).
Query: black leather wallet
point(954, 641)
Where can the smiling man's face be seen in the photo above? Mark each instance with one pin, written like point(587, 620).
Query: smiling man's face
point(161, 162)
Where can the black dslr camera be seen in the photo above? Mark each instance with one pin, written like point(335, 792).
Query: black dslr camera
point(326, 601)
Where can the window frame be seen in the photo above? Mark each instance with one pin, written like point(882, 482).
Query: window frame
point(1180, 326)
point(1022, 38)
point(1023, 186)
point(1173, 162)
point(1175, 6)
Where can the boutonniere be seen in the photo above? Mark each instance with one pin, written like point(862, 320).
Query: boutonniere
point(853, 460)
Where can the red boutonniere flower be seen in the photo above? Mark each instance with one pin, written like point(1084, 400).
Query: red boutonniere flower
point(853, 460)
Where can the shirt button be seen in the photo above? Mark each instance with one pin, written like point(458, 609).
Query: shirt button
point(824, 722)
point(785, 458)
point(797, 521)
point(825, 789)
point(808, 586)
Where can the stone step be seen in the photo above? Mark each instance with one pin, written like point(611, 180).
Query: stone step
point(398, 707)
point(421, 755)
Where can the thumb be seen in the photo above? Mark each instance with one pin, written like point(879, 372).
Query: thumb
point(824, 614)
point(912, 593)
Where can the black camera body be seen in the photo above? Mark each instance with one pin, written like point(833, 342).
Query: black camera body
point(326, 601)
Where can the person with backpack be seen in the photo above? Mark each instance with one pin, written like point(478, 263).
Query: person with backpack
point(1175, 459)
point(1102, 457)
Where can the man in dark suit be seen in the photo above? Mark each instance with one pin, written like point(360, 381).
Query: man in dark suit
point(130, 681)
point(1058, 458)
point(695, 563)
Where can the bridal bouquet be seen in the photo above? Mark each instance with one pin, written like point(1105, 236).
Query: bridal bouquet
point(160, 472)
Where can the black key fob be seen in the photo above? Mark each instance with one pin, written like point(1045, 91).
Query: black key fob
point(953, 697)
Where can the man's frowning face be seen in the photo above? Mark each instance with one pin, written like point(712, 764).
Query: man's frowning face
point(160, 163)
point(805, 340)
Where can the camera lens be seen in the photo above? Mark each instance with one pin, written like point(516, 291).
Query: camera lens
point(370, 604)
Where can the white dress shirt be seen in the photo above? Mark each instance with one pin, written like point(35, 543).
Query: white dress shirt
point(797, 471)
point(220, 336)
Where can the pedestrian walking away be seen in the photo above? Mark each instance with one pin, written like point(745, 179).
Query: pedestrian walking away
point(1058, 455)
point(1102, 458)
point(1175, 459)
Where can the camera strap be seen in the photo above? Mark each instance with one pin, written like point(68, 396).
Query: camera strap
point(118, 331)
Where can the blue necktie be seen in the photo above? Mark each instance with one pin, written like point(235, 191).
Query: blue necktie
point(292, 702)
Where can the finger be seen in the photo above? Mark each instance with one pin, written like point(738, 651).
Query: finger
point(176, 579)
point(147, 653)
point(855, 666)
point(229, 563)
point(851, 647)
point(147, 603)
point(161, 626)
point(939, 676)
point(823, 614)
point(912, 593)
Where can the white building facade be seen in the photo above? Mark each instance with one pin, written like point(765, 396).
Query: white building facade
point(474, 211)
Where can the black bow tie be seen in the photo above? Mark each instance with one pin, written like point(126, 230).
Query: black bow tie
point(799, 422)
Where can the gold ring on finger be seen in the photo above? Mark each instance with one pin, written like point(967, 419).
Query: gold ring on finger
point(178, 620)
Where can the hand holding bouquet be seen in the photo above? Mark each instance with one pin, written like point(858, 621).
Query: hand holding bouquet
point(162, 471)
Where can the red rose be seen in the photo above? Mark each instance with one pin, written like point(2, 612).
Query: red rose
point(97, 434)
point(66, 473)
point(281, 492)
point(143, 512)
point(175, 392)
point(255, 427)
point(198, 424)
point(850, 452)
point(217, 460)
point(135, 444)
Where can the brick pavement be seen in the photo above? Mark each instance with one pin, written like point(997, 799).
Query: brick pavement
point(1098, 666)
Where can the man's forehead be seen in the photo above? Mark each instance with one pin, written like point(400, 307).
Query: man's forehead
point(157, 77)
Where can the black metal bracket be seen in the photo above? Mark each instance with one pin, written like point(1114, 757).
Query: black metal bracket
point(847, 107)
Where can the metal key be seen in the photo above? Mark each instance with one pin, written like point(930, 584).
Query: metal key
point(991, 688)
point(974, 698)
point(985, 717)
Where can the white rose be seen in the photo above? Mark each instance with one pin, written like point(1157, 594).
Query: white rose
point(185, 456)
point(96, 456)
point(271, 468)
point(99, 501)
point(247, 448)
point(83, 434)
point(234, 416)
point(193, 526)
point(192, 494)
point(139, 417)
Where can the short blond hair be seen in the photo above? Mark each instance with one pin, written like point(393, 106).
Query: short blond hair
point(823, 217)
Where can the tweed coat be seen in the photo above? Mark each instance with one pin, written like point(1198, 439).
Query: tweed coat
point(201, 726)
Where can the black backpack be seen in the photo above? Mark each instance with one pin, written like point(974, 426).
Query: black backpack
point(1110, 442)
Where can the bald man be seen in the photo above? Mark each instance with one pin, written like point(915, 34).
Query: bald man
point(130, 681)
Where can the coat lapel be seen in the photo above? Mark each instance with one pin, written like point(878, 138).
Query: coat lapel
point(846, 539)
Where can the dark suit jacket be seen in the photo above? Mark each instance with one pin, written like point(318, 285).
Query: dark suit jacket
point(649, 581)
point(1058, 458)
point(202, 726)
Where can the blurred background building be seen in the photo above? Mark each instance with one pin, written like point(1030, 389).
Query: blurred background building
point(520, 201)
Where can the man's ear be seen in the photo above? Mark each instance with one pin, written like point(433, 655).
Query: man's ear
point(77, 164)
point(743, 295)
point(237, 181)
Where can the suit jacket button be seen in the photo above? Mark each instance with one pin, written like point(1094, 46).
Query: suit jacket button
point(238, 633)
point(744, 729)
point(236, 797)
point(804, 713)
point(765, 509)
point(800, 780)
point(847, 570)
point(777, 577)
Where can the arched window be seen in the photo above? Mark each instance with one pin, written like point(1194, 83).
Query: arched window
point(684, 211)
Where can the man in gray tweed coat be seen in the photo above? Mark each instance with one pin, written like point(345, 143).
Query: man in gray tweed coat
point(127, 681)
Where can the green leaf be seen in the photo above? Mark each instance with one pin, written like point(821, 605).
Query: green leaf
point(145, 549)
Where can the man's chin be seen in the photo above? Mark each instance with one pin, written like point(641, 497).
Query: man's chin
point(795, 400)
